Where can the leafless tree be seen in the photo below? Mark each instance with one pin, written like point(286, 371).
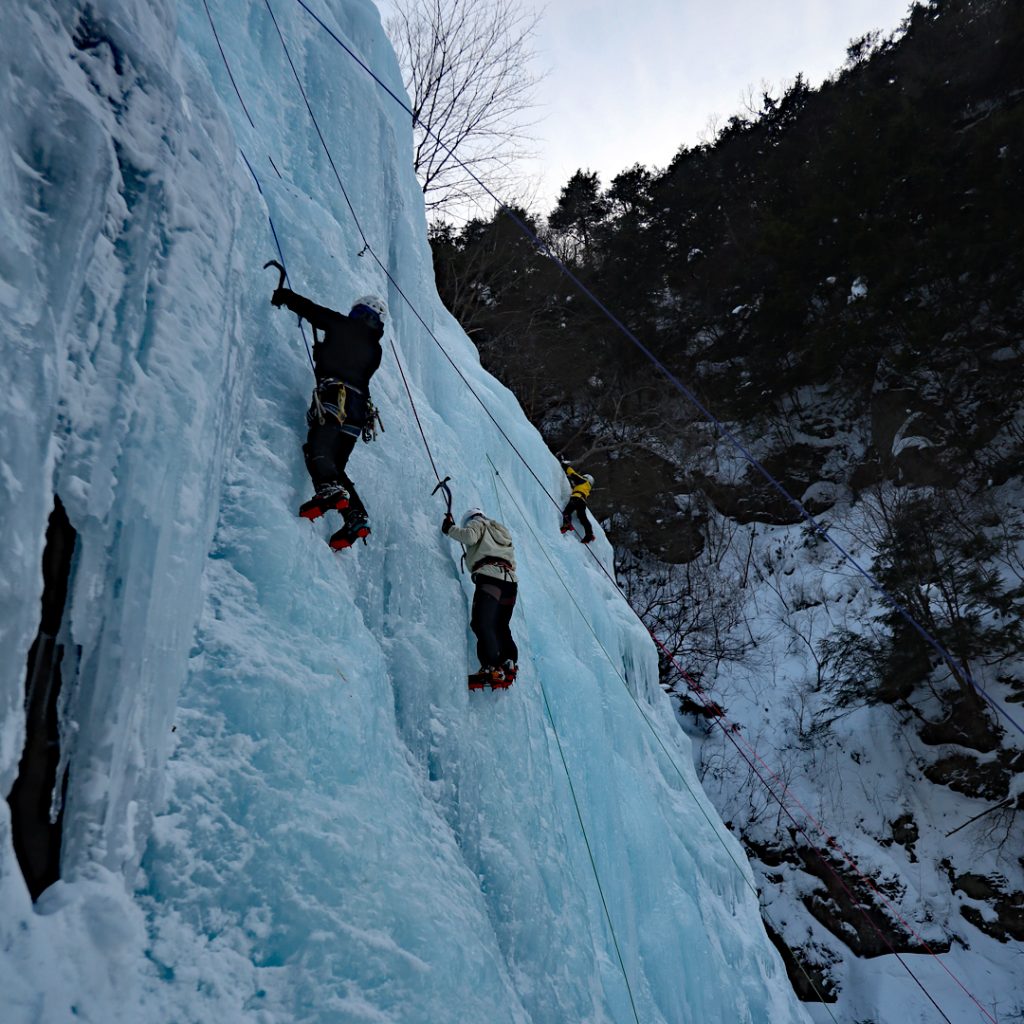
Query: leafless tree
point(468, 67)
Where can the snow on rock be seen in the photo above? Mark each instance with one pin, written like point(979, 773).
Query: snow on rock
point(858, 290)
point(282, 803)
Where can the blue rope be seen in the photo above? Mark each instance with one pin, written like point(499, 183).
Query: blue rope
point(224, 58)
point(280, 251)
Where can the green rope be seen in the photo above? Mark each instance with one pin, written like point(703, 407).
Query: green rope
point(575, 801)
point(682, 778)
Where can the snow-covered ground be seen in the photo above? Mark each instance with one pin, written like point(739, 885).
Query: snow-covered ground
point(852, 777)
point(282, 802)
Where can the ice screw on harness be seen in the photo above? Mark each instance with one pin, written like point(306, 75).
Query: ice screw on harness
point(373, 422)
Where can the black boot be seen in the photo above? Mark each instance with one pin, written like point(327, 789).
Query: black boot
point(329, 496)
point(356, 527)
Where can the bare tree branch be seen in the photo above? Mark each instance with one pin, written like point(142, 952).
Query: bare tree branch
point(467, 69)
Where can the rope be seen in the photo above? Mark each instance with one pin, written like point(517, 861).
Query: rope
point(224, 58)
point(830, 841)
point(957, 668)
point(280, 251)
point(722, 722)
point(416, 414)
point(255, 178)
point(650, 725)
point(576, 804)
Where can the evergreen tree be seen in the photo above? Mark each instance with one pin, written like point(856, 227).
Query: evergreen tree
point(577, 216)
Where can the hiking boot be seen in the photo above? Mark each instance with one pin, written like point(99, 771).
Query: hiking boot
point(330, 496)
point(589, 539)
point(566, 526)
point(356, 527)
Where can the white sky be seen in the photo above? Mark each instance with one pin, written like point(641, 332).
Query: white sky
point(630, 81)
point(633, 81)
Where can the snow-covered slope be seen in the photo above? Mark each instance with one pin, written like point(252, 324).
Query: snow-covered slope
point(282, 803)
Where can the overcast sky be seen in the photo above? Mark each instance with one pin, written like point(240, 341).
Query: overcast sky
point(630, 81)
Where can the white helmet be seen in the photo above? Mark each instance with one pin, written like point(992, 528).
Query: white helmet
point(374, 302)
point(589, 479)
point(471, 513)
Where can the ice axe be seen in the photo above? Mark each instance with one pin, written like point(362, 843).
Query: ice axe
point(442, 485)
point(280, 284)
point(282, 271)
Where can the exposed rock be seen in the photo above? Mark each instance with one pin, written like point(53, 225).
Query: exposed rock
point(968, 723)
point(1008, 908)
point(808, 970)
point(965, 774)
point(905, 832)
point(852, 911)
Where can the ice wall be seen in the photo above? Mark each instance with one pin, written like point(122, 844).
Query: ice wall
point(283, 804)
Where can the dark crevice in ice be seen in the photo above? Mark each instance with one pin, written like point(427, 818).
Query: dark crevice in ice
point(37, 838)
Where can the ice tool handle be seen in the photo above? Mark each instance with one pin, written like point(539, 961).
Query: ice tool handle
point(280, 284)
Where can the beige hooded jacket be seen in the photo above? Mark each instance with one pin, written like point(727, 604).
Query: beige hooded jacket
point(486, 538)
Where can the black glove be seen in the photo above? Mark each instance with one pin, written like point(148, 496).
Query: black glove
point(449, 522)
point(277, 299)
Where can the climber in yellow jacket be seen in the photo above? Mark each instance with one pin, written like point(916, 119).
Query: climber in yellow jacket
point(581, 485)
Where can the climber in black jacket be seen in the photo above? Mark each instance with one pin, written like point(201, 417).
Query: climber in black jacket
point(345, 358)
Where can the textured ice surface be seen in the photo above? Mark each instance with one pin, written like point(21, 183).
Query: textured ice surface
point(283, 803)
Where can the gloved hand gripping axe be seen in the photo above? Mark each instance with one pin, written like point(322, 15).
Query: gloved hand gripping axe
point(280, 284)
point(449, 519)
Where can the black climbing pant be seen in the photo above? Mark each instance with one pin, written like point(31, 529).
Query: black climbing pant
point(329, 445)
point(579, 506)
point(493, 604)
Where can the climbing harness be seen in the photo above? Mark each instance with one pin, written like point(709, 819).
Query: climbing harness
point(498, 563)
point(330, 398)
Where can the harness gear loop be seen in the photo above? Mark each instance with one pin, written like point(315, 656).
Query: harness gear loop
point(322, 395)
